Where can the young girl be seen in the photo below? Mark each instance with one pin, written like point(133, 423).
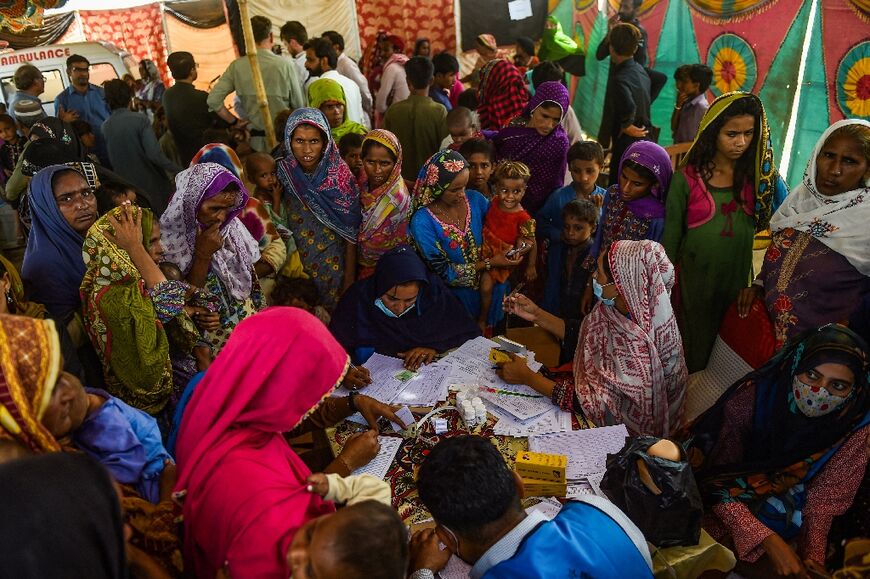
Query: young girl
point(723, 195)
point(634, 208)
point(507, 226)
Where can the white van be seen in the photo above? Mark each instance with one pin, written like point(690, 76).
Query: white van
point(107, 62)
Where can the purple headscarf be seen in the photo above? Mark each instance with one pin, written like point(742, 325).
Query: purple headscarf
point(653, 157)
point(545, 155)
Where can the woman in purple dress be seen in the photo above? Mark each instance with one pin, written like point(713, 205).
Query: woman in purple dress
point(817, 270)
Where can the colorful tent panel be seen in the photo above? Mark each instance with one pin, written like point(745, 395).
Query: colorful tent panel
point(729, 10)
point(853, 82)
point(733, 63)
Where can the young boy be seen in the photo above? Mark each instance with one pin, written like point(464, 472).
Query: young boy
point(350, 149)
point(87, 138)
point(418, 122)
point(480, 155)
point(507, 226)
point(446, 68)
point(261, 170)
point(13, 145)
point(585, 160)
point(579, 222)
point(692, 81)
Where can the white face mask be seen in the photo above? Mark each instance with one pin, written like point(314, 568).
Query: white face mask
point(814, 401)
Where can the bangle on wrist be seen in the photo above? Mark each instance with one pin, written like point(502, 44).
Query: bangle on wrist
point(487, 265)
point(676, 108)
point(343, 461)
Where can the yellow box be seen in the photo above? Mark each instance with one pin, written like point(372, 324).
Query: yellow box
point(497, 356)
point(540, 488)
point(542, 467)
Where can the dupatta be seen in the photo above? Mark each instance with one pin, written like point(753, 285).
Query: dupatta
point(234, 262)
point(121, 320)
point(633, 367)
point(330, 192)
point(502, 94)
point(246, 488)
point(327, 90)
point(839, 221)
point(386, 210)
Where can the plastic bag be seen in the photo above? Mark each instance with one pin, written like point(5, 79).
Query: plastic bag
point(668, 519)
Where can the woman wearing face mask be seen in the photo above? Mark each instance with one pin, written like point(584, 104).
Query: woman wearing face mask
point(403, 310)
point(783, 451)
point(629, 366)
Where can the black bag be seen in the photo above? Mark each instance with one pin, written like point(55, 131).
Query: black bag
point(669, 519)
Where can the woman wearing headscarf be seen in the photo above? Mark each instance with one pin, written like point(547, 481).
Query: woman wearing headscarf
point(817, 270)
point(629, 366)
point(245, 489)
point(783, 451)
point(63, 207)
point(328, 96)
point(394, 86)
point(403, 307)
point(487, 51)
point(43, 405)
point(127, 304)
point(537, 139)
point(384, 199)
point(502, 95)
point(322, 198)
point(558, 47)
point(203, 237)
point(62, 519)
point(150, 96)
point(447, 227)
point(255, 216)
point(724, 194)
point(13, 300)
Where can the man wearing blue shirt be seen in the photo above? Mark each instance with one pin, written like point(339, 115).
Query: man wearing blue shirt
point(86, 100)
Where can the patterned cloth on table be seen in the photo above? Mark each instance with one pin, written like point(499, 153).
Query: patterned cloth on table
point(386, 210)
point(502, 94)
point(121, 318)
point(630, 368)
point(766, 467)
point(545, 155)
point(231, 274)
point(27, 382)
point(324, 207)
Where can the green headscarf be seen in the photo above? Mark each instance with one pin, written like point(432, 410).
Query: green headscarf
point(325, 90)
point(556, 45)
point(122, 321)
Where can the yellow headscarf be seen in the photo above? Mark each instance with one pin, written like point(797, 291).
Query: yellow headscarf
point(21, 306)
point(326, 90)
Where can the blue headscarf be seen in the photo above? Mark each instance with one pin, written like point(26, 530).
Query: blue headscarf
point(331, 193)
point(53, 266)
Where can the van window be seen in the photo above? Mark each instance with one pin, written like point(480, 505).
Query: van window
point(53, 86)
point(101, 72)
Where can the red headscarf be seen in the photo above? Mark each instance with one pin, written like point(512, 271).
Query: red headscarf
point(502, 94)
point(246, 494)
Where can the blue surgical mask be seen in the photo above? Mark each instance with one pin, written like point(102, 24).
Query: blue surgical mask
point(598, 290)
point(380, 305)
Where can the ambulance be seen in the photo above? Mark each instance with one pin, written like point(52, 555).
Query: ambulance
point(107, 62)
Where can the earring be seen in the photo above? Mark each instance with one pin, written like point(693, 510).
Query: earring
point(10, 302)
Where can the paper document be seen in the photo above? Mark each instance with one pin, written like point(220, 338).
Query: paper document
point(586, 450)
point(405, 414)
point(520, 9)
point(380, 465)
point(456, 568)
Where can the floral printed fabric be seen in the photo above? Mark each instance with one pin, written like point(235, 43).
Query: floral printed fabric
point(436, 175)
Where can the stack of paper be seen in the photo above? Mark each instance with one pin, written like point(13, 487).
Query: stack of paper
point(587, 452)
point(392, 383)
point(379, 466)
point(554, 420)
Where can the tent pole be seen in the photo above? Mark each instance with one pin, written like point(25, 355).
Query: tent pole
point(251, 51)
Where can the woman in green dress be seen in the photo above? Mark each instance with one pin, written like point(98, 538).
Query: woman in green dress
point(724, 193)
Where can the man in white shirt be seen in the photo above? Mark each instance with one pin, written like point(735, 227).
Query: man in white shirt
point(348, 67)
point(321, 60)
point(474, 498)
point(294, 36)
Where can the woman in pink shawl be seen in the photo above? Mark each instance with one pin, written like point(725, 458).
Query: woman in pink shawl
point(629, 366)
point(243, 488)
point(386, 203)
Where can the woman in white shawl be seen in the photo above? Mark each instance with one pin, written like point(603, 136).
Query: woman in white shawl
point(817, 269)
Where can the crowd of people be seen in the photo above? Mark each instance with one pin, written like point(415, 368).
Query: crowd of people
point(189, 297)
